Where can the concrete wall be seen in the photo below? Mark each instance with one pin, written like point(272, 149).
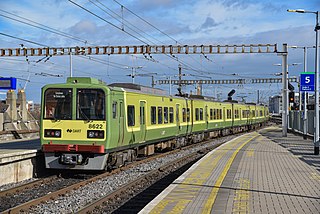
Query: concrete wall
point(19, 166)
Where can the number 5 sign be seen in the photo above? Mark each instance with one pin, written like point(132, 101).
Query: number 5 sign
point(307, 81)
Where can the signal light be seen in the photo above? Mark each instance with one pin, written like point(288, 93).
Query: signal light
point(95, 134)
point(52, 133)
point(291, 97)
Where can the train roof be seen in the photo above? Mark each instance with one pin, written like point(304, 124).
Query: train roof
point(130, 87)
point(139, 88)
point(85, 80)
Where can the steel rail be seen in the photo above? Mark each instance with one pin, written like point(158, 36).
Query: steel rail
point(51, 196)
point(111, 199)
point(142, 182)
point(22, 187)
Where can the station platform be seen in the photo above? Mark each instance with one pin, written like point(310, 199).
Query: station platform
point(258, 172)
point(19, 160)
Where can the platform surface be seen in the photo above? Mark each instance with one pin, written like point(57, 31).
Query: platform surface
point(16, 150)
point(259, 172)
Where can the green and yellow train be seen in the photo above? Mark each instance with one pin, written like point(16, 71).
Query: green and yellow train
point(88, 125)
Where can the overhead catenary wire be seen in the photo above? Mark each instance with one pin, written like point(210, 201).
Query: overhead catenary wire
point(42, 27)
point(171, 56)
point(162, 32)
point(99, 17)
point(121, 21)
point(25, 40)
point(146, 21)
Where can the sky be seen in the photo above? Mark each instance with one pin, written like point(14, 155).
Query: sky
point(61, 23)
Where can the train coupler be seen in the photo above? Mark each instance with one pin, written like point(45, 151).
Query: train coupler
point(71, 159)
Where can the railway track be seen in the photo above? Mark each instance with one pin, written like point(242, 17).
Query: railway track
point(116, 199)
point(20, 197)
point(110, 190)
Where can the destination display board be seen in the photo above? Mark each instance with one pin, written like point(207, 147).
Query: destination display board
point(307, 81)
point(8, 83)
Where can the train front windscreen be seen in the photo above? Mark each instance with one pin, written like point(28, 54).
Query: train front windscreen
point(90, 104)
point(58, 104)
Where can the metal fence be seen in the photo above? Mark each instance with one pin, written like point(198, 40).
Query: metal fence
point(296, 121)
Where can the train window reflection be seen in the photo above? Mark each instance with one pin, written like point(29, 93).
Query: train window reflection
point(90, 104)
point(58, 104)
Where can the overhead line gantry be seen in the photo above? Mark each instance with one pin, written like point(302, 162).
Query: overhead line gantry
point(230, 81)
point(165, 49)
point(140, 49)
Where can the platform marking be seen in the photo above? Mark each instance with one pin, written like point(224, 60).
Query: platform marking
point(217, 185)
point(183, 191)
point(250, 153)
point(241, 198)
point(315, 176)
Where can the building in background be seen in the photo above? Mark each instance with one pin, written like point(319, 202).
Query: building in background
point(275, 105)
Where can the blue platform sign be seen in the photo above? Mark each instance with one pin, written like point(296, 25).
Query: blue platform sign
point(307, 81)
point(8, 83)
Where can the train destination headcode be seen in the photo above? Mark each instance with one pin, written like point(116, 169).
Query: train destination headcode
point(8, 83)
point(307, 81)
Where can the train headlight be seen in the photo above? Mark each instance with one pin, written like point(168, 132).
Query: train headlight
point(56, 133)
point(90, 134)
point(95, 134)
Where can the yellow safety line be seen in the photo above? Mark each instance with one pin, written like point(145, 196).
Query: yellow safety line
point(208, 206)
point(162, 204)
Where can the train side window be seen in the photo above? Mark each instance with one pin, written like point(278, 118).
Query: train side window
point(121, 109)
point(142, 116)
point(131, 119)
point(211, 114)
point(159, 115)
point(188, 114)
point(197, 114)
point(171, 119)
point(153, 115)
point(184, 115)
point(165, 114)
point(177, 114)
point(114, 110)
point(220, 114)
point(228, 113)
point(201, 113)
point(236, 113)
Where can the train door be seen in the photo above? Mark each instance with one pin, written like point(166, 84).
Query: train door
point(142, 120)
point(121, 122)
point(206, 116)
point(178, 117)
point(232, 115)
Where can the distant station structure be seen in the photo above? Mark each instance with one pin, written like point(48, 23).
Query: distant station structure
point(14, 116)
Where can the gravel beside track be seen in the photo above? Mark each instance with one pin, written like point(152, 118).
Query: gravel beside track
point(75, 200)
point(22, 196)
point(12, 185)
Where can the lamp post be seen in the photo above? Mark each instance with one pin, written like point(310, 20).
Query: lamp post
point(316, 108)
point(285, 105)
